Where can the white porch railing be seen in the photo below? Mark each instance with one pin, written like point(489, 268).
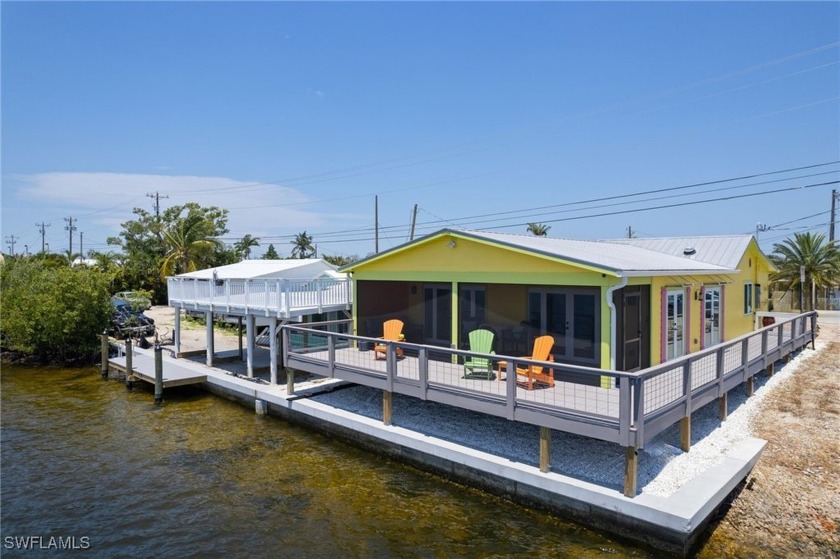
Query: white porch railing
point(272, 297)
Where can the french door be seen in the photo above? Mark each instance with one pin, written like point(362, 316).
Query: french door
point(437, 308)
point(632, 356)
point(711, 316)
point(572, 317)
point(674, 323)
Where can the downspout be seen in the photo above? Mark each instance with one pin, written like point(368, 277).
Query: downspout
point(613, 318)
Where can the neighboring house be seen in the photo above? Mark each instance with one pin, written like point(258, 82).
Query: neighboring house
point(623, 304)
point(265, 293)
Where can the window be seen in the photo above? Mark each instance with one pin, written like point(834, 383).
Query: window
point(748, 298)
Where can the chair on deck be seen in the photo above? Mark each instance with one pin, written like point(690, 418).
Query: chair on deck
point(481, 341)
point(391, 330)
point(534, 373)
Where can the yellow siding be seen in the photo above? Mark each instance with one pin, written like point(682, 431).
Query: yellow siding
point(470, 260)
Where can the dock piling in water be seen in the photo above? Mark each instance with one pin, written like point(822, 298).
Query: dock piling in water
point(104, 338)
point(158, 374)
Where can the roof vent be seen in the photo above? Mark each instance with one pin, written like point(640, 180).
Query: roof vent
point(688, 251)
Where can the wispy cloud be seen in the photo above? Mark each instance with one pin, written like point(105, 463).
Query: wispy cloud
point(108, 198)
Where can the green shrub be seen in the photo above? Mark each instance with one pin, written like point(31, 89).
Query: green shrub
point(53, 314)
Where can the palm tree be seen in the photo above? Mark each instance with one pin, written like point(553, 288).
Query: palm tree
point(303, 247)
point(808, 251)
point(538, 229)
point(189, 244)
point(244, 245)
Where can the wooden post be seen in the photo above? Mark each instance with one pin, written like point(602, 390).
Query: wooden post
point(104, 338)
point(158, 375)
point(545, 449)
point(631, 466)
point(771, 369)
point(723, 408)
point(129, 359)
point(290, 381)
point(387, 406)
point(750, 386)
point(685, 433)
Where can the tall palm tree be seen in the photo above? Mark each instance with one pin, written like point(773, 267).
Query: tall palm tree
point(538, 229)
point(189, 244)
point(302, 246)
point(243, 246)
point(820, 260)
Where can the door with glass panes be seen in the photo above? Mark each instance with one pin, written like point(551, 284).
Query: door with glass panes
point(572, 317)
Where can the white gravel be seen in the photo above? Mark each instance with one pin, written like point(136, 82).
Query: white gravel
point(663, 467)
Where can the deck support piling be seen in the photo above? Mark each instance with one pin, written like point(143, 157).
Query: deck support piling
point(176, 334)
point(208, 324)
point(770, 370)
point(272, 333)
point(545, 449)
point(290, 381)
point(750, 386)
point(158, 375)
point(104, 340)
point(387, 406)
point(631, 467)
point(685, 433)
point(723, 407)
point(249, 343)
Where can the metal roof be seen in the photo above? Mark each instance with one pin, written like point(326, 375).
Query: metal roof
point(303, 269)
point(726, 250)
point(620, 258)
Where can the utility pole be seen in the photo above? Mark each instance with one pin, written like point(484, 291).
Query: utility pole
point(26, 250)
point(82, 244)
point(376, 222)
point(413, 222)
point(70, 228)
point(630, 233)
point(833, 216)
point(11, 240)
point(760, 228)
point(156, 197)
point(42, 228)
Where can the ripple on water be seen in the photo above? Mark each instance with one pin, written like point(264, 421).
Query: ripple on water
point(203, 477)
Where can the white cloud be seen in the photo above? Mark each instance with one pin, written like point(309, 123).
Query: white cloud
point(108, 198)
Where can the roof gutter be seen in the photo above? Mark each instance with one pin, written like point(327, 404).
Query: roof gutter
point(613, 318)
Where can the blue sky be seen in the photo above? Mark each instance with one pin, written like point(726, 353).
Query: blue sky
point(294, 116)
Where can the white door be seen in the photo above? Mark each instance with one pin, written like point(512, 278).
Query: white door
point(675, 323)
point(711, 317)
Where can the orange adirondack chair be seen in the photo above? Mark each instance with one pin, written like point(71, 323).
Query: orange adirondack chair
point(391, 330)
point(535, 373)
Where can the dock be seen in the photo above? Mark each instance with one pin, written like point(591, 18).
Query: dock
point(174, 373)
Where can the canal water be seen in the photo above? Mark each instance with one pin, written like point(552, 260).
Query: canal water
point(88, 465)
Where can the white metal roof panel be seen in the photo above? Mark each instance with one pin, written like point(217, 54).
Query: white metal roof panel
point(725, 250)
point(622, 258)
point(305, 269)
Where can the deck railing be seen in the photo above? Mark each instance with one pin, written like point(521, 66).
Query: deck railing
point(620, 407)
point(280, 297)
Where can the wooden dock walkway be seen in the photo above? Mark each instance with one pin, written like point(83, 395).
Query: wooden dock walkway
point(174, 374)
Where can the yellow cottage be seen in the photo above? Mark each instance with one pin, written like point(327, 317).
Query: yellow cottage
point(622, 304)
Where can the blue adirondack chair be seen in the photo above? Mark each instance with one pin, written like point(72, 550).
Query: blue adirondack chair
point(481, 341)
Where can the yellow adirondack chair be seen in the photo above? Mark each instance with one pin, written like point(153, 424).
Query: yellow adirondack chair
point(391, 330)
point(534, 373)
